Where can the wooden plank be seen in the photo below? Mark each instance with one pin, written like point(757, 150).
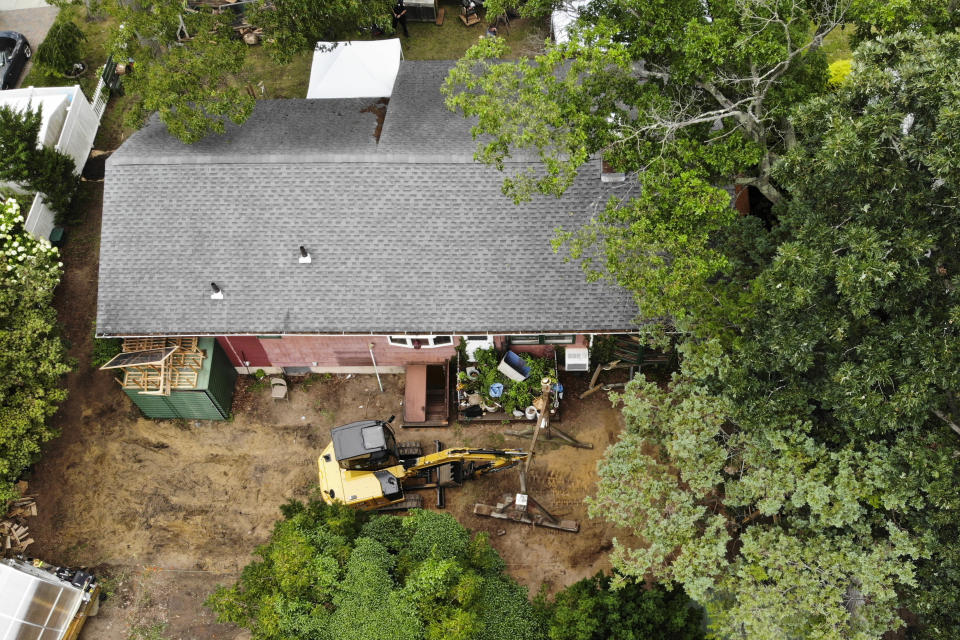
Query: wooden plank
point(415, 393)
point(536, 520)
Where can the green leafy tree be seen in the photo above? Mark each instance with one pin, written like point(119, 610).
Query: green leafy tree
point(188, 75)
point(295, 26)
point(873, 17)
point(60, 49)
point(683, 96)
point(591, 610)
point(36, 168)
point(32, 355)
point(793, 476)
point(189, 65)
point(676, 83)
point(333, 572)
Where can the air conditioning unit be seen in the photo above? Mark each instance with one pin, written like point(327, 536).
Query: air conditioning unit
point(577, 359)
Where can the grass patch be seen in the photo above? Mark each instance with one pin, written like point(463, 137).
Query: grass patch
point(154, 631)
point(449, 41)
point(836, 46)
point(94, 51)
point(112, 584)
point(273, 81)
point(427, 41)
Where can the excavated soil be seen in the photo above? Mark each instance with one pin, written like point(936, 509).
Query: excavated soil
point(166, 510)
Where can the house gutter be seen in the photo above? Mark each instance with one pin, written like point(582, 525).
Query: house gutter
point(346, 334)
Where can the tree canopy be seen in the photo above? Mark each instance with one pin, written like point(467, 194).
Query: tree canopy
point(329, 572)
point(793, 474)
point(189, 64)
point(591, 610)
point(32, 355)
point(33, 166)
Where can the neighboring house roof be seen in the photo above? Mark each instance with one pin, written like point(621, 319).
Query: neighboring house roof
point(400, 241)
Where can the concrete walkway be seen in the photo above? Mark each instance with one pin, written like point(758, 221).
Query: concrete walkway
point(32, 18)
point(16, 5)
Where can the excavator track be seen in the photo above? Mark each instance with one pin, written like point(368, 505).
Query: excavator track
point(414, 501)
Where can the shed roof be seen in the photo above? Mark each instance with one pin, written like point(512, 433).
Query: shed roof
point(402, 239)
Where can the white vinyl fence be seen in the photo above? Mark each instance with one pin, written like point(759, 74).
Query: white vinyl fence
point(75, 140)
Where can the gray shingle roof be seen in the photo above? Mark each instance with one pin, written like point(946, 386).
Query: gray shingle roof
point(397, 245)
point(420, 127)
point(276, 131)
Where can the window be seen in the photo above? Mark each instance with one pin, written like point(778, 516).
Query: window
point(421, 342)
point(543, 339)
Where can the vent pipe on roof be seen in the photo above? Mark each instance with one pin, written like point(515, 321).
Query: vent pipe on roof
point(217, 293)
point(304, 256)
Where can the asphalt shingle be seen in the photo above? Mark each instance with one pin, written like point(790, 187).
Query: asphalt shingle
point(398, 244)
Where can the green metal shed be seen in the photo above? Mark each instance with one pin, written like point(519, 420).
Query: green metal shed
point(210, 399)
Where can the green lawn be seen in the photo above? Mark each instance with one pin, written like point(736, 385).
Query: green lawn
point(451, 40)
point(836, 46)
point(427, 41)
point(112, 132)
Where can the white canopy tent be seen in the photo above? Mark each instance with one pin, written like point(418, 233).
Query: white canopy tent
point(364, 69)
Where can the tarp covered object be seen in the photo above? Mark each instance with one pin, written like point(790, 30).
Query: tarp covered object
point(363, 69)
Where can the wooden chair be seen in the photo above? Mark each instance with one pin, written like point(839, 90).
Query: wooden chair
point(278, 388)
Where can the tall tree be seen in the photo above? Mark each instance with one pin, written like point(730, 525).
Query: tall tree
point(295, 26)
point(688, 96)
point(33, 166)
point(329, 572)
point(189, 64)
point(591, 610)
point(185, 66)
point(32, 355)
point(793, 475)
point(707, 86)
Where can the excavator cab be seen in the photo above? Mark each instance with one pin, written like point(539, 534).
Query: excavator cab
point(367, 445)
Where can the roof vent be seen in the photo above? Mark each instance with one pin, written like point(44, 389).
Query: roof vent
point(304, 256)
point(217, 293)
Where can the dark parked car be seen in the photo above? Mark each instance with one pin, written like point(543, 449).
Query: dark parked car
point(14, 53)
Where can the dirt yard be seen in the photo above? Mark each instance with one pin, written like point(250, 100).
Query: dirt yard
point(166, 510)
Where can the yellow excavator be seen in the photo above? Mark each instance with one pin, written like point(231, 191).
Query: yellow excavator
point(364, 468)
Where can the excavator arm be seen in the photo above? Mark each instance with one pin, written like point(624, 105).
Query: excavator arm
point(483, 460)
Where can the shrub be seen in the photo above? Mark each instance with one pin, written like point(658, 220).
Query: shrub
point(839, 70)
point(60, 50)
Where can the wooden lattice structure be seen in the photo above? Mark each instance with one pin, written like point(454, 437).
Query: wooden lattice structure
point(157, 366)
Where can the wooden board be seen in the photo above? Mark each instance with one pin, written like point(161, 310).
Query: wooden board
point(535, 519)
point(415, 394)
point(139, 358)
